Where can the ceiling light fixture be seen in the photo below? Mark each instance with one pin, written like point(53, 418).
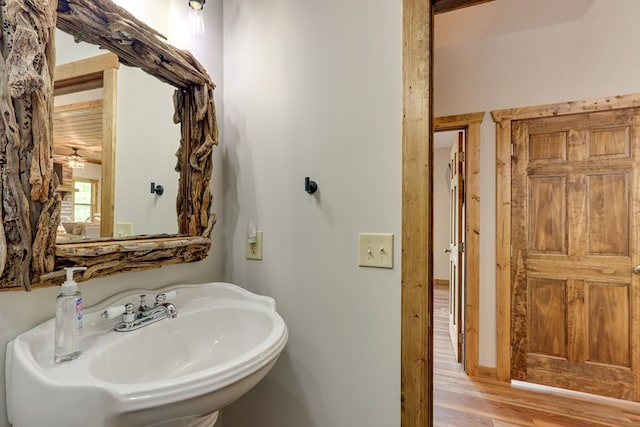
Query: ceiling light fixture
point(196, 21)
point(74, 160)
point(197, 4)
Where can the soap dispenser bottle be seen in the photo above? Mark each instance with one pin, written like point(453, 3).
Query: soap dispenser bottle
point(68, 330)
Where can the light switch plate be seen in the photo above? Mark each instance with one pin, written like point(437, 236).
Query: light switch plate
point(376, 250)
point(254, 250)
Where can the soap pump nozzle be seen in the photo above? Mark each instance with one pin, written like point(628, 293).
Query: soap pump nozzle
point(70, 286)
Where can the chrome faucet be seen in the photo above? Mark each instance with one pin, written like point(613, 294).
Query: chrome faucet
point(133, 319)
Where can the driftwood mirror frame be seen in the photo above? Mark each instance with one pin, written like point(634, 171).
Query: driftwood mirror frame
point(30, 209)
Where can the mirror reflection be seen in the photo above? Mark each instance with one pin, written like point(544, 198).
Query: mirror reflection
point(105, 184)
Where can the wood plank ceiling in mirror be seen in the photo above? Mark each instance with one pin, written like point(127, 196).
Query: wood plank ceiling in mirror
point(78, 126)
point(30, 216)
point(78, 106)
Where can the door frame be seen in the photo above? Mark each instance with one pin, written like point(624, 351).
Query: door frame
point(416, 346)
point(470, 124)
point(416, 342)
point(503, 120)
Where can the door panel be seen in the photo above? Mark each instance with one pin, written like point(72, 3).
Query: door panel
point(612, 142)
point(547, 214)
point(608, 317)
point(456, 245)
point(551, 146)
point(574, 235)
point(547, 310)
point(608, 214)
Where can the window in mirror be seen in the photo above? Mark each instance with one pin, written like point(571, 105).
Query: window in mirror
point(85, 200)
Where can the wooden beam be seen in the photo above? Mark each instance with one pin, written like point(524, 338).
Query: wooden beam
point(442, 6)
point(108, 169)
point(503, 250)
point(417, 218)
point(84, 67)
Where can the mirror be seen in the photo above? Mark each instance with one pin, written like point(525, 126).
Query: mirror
point(142, 151)
point(29, 256)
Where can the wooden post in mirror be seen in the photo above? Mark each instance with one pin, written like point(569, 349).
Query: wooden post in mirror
point(30, 211)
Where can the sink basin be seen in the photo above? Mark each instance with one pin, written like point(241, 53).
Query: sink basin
point(171, 373)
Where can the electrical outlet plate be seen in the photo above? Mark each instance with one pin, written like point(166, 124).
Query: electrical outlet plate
point(254, 250)
point(376, 250)
point(124, 229)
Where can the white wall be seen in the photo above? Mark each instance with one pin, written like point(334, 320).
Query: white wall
point(592, 57)
point(146, 143)
point(20, 311)
point(314, 89)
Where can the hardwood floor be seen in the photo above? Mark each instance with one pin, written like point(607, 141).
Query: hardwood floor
point(463, 401)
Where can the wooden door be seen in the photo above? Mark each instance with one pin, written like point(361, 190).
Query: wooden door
point(575, 243)
point(456, 245)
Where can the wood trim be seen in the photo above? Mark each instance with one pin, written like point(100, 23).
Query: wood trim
point(108, 170)
point(459, 121)
point(503, 119)
point(89, 66)
point(417, 218)
point(183, 202)
point(80, 84)
point(440, 282)
point(126, 245)
point(472, 248)
point(503, 251)
point(80, 106)
point(487, 372)
point(635, 255)
point(471, 123)
point(127, 255)
point(564, 108)
point(442, 6)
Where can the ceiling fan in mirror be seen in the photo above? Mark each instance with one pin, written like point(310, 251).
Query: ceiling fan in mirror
point(74, 160)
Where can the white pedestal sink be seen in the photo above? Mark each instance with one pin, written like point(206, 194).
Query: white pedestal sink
point(222, 343)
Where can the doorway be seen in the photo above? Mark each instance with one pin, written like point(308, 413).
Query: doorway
point(465, 262)
point(448, 232)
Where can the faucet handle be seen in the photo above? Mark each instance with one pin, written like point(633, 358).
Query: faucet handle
point(129, 313)
point(143, 303)
point(111, 312)
point(160, 298)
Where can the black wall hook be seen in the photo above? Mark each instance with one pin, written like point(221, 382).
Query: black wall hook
point(310, 186)
point(158, 189)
